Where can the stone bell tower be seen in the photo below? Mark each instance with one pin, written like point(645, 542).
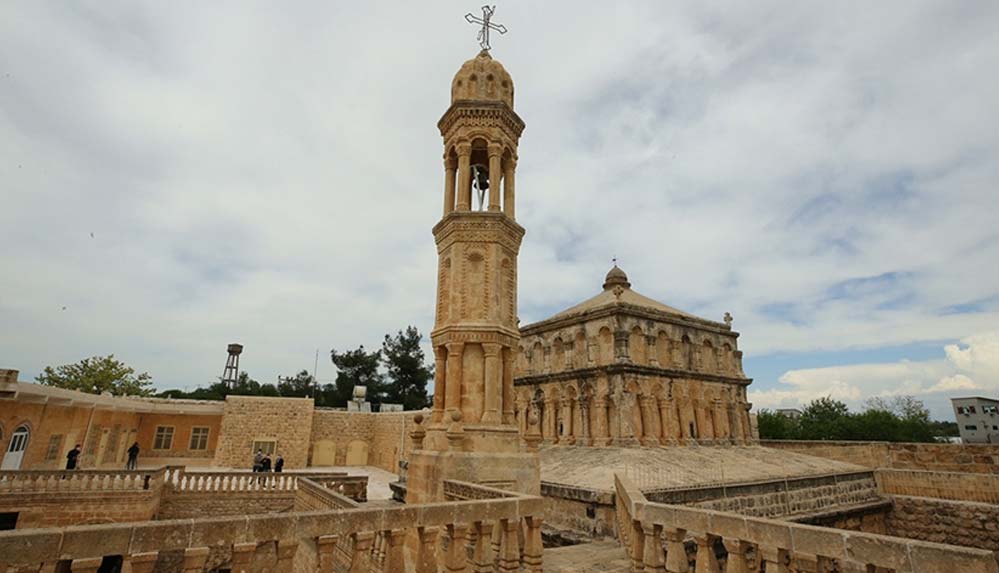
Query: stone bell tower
point(472, 432)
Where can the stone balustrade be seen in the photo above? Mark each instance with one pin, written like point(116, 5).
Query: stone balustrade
point(663, 538)
point(488, 534)
point(184, 482)
point(53, 481)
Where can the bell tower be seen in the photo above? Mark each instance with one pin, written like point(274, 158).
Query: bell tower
point(472, 433)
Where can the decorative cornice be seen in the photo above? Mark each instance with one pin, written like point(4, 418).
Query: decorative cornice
point(625, 368)
point(483, 113)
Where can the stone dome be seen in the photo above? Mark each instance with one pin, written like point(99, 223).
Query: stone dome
point(482, 79)
point(616, 277)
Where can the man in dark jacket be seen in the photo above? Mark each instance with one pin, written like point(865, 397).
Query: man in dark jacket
point(266, 464)
point(279, 464)
point(72, 457)
point(133, 457)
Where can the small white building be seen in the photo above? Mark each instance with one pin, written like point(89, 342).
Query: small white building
point(977, 419)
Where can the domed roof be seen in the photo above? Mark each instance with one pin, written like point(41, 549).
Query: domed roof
point(482, 79)
point(616, 277)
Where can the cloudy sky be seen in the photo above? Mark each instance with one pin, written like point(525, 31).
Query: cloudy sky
point(183, 175)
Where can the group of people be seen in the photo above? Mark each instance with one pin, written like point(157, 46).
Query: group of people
point(262, 462)
point(73, 457)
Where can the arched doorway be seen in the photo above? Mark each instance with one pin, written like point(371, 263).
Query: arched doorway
point(15, 451)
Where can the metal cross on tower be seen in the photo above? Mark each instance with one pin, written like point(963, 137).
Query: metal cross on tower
point(484, 21)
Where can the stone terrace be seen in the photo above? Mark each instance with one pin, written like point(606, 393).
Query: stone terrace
point(653, 468)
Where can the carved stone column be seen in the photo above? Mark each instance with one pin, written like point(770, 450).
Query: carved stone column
point(670, 424)
point(508, 188)
point(601, 431)
point(653, 561)
point(549, 425)
point(452, 384)
point(493, 383)
point(652, 428)
point(508, 395)
point(676, 553)
point(457, 554)
point(440, 382)
point(735, 424)
point(426, 559)
point(720, 418)
point(585, 437)
point(533, 547)
point(450, 166)
point(705, 427)
point(494, 175)
point(464, 177)
point(707, 562)
point(737, 549)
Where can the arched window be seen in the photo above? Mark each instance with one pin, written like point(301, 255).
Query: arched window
point(15, 449)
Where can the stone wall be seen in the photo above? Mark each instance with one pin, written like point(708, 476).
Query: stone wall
point(359, 438)
point(246, 419)
point(971, 458)
point(942, 521)
point(982, 488)
point(585, 512)
point(188, 505)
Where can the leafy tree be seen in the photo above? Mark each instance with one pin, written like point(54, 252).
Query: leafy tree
point(408, 374)
point(355, 367)
point(776, 426)
point(96, 375)
point(824, 419)
point(300, 385)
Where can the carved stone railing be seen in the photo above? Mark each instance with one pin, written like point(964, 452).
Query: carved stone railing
point(676, 539)
point(55, 481)
point(312, 496)
point(268, 483)
point(482, 535)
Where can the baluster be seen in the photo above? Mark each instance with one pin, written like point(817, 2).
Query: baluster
point(654, 559)
point(286, 555)
point(510, 550)
point(194, 559)
point(326, 546)
point(90, 565)
point(362, 544)
point(533, 547)
point(242, 557)
point(707, 561)
point(737, 549)
point(395, 557)
point(482, 554)
point(426, 559)
point(457, 554)
point(676, 553)
point(636, 549)
point(497, 538)
point(144, 562)
point(776, 560)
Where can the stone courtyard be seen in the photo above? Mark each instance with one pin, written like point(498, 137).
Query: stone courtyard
point(613, 436)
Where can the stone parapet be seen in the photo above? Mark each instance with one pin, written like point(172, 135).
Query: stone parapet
point(970, 458)
point(496, 531)
point(656, 538)
point(957, 486)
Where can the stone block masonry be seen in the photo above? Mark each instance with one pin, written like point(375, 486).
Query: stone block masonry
point(936, 457)
point(287, 422)
point(941, 521)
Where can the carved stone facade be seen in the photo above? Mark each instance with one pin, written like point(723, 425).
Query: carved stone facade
point(472, 433)
point(622, 369)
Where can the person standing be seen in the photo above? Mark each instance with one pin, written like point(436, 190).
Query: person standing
point(72, 457)
point(133, 457)
point(279, 464)
point(266, 463)
point(258, 461)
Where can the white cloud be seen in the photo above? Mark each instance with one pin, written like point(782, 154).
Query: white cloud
point(270, 176)
point(971, 367)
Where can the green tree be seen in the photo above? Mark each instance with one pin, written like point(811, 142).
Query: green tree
point(825, 419)
point(776, 426)
point(407, 372)
point(355, 367)
point(96, 375)
point(300, 385)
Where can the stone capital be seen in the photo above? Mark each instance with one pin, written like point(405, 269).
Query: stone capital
point(464, 148)
point(494, 149)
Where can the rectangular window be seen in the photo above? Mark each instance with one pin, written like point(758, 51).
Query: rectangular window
point(971, 409)
point(988, 409)
point(972, 428)
point(164, 438)
point(55, 442)
point(199, 438)
point(265, 446)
